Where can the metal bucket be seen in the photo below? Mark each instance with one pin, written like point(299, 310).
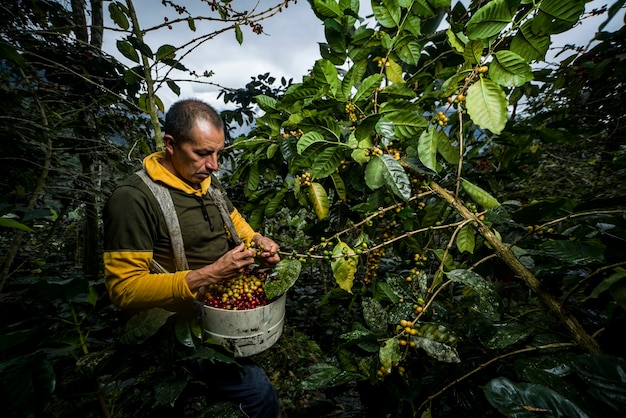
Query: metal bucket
point(246, 332)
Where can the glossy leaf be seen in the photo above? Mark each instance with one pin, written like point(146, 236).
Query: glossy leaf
point(437, 350)
point(118, 15)
point(526, 399)
point(387, 13)
point(238, 34)
point(444, 147)
point(327, 8)
point(479, 195)
point(265, 102)
point(319, 200)
point(487, 105)
point(327, 161)
point(606, 376)
point(466, 239)
point(127, 50)
point(165, 51)
point(144, 325)
point(509, 69)
point(367, 87)
point(285, 275)
point(325, 72)
point(324, 375)
point(528, 45)
point(395, 177)
point(374, 177)
point(308, 139)
point(340, 186)
point(393, 71)
point(344, 265)
point(390, 353)
point(488, 305)
point(427, 148)
point(490, 19)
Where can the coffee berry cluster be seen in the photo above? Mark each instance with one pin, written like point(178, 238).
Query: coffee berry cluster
point(246, 291)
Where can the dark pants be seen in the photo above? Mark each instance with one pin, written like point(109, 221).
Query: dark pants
point(244, 384)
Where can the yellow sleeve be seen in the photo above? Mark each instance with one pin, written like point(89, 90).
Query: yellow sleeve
point(130, 283)
point(244, 230)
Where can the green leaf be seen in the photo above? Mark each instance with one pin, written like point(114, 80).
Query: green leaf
point(514, 399)
point(528, 45)
point(127, 50)
point(487, 105)
point(388, 13)
point(344, 265)
point(479, 196)
point(308, 139)
point(407, 124)
point(141, 46)
point(367, 87)
point(445, 148)
point(327, 161)
point(606, 376)
point(393, 71)
point(183, 332)
point(556, 16)
point(427, 148)
point(488, 305)
point(12, 223)
point(574, 252)
point(437, 350)
point(285, 275)
point(509, 69)
point(340, 186)
point(174, 87)
point(375, 316)
point(118, 15)
point(253, 178)
point(326, 375)
point(319, 200)
point(352, 78)
point(395, 177)
point(490, 19)
point(325, 72)
point(144, 325)
point(374, 177)
point(274, 203)
point(166, 51)
point(191, 23)
point(473, 52)
point(327, 8)
point(466, 240)
point(265, 102)
point(390, 353)
point(238, 34)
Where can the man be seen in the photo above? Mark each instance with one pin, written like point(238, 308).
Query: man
point(147, 265)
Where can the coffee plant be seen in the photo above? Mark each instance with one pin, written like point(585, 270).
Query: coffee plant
point(446, 282)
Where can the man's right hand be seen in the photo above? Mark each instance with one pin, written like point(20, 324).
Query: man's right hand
point(227, 266)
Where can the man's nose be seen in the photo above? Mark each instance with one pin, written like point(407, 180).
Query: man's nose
point(212, 163)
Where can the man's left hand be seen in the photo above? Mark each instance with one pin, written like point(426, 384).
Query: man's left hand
point(267, 250)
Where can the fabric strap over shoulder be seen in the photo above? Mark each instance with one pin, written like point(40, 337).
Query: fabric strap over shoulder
point(163, 197)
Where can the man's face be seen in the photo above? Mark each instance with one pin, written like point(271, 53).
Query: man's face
point(195, 160)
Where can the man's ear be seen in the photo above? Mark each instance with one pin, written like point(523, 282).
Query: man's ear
point(169, 143)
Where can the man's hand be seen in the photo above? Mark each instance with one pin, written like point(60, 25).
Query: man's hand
point(267, 250)
point(227, 266)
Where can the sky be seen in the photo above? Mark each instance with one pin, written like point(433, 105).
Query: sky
point(287, 48)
